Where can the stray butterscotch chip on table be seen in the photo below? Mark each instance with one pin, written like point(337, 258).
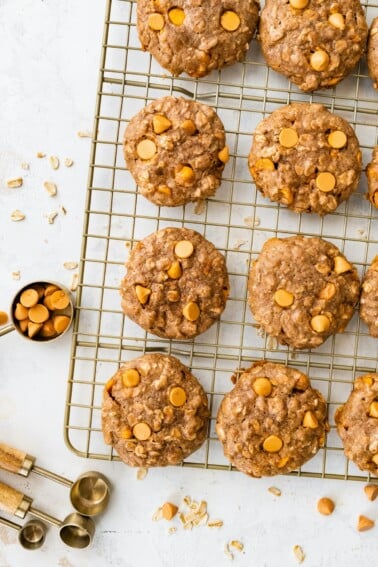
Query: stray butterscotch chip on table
point(371, 491)
point(364, 523)
point(3, 317)
point(326, 506)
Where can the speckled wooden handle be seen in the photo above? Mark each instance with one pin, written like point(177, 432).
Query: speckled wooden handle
point(10, 499)
point(11, 460)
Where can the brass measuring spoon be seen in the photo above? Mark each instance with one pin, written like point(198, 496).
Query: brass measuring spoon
point(31, 535)
point(75, 530)
point(89, 494)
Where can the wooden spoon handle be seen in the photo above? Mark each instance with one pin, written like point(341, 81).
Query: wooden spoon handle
point(15, 461)
point(13, 501)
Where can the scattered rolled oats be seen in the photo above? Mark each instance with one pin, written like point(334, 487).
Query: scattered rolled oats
point(197, 514)
point(40, 155)
point(74, 282)
point(239, 243)
point(228, 552)
point(237, 544)
point(215, 523)
point(54, 162)
point(158, 514)
point(50, 188)
point(17, 216)
point(252, 222)
point(16, 275)
point(71, 266)
point(25, 165)
point(141, 472)
point(84, 134)
point(68, 162)
point(299, 554)
point(200, 207)
point(274, 490)
point(63, 210)
point(172, 530)
point(51, 217)
point(15, 182)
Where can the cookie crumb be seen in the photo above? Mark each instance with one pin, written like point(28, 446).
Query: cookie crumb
point(299, 554)
point(252, 222)
point(200, 207)
point(371, 491)
point(275, 491)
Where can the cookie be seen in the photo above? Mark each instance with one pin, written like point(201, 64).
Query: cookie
point(357, 423)
point(176, 151)
point(306, 158)
point(302, 290)
point(372, 52)
point(176, 285)
point(372, 178)
point(196, 37)
point(314, 43)
point(154, 412)
point(272, 421)
point(369, 298)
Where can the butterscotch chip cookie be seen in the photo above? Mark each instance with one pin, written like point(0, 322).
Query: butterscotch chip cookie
point(196, 37)
point(372, 52)
point(314, 43)
point(357, 423)
point(306, 158)
point(302, 290)
point(176, 285)
point(272, 421)
point(369, 298)
point(154, 412)
point(372, 178)
point(176, 151)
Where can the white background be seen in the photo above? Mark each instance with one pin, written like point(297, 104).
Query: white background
point(49, 57)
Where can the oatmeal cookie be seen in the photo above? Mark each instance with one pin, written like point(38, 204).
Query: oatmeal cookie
point(197, 36)
point(302, 290)
point(314, 43)
point(154, 412)
point(357, 423)
point(306, 158)
point(369, 298)
point(176, 285)
point(272, 421)
point(176, 151)
point(372, 52)
point(372, 178)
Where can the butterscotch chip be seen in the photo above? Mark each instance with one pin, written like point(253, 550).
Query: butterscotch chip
point(262, 387)
point(47, 301)
point(196, 37)
point(288, 138)
point(50, 289)
point(38, 313)
point(156, 21)
point(23, 325)
point(230, 21)
point(283, 298)
point(357, 428)
point(308, 264)
point(372, 170)
point(314, 44)
point(59, 299)
point(130, 378)
point(61, 322)
point(177, 396)
point(265, 436)
point(373, 409)
point(33, 329)
point(3, 317)
point(224, 154)
point(161, 432)
point(313, 165)
point(146, 149)
point(326, 506)
point(175, 308)
point(20, 312)
point(169, 510)
point(371, 491)
point(175, 270)
point(310, 420)
point(372, 51)
point(365, 523)
point(48, 330)
point(29, 297)
point(175, 150)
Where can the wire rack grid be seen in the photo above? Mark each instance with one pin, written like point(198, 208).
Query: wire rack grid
point(237, 219)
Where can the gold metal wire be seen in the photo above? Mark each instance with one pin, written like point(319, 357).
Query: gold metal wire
point(237, 219)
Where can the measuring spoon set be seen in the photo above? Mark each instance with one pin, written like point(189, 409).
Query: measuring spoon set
point(89, 495)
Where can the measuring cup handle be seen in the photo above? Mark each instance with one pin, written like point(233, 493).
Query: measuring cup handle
point(7, 329)
point(15, 461)
point(13, 501)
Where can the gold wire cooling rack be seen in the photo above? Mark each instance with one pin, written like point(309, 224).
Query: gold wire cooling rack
point(238, 220)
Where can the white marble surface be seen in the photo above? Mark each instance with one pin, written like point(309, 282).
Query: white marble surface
point(48, 75)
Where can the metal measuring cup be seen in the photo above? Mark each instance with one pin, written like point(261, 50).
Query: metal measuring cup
point(15, 323)
point(31, 535)
point(89, 494)
point(75, 530)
